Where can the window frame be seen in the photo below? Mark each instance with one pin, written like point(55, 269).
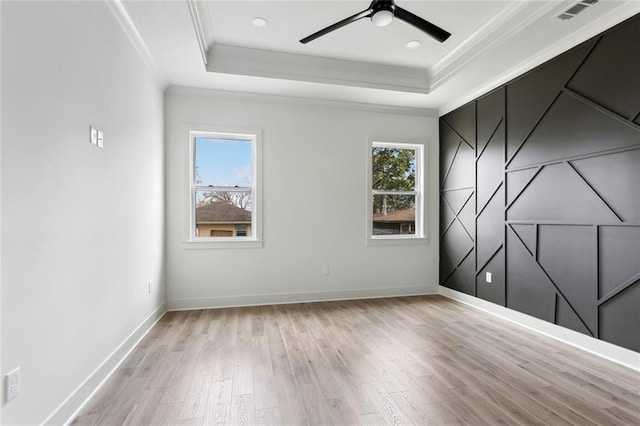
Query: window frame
point(254, 136)
point(419, 237)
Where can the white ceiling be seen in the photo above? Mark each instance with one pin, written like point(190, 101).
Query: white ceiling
point(360, 41)
point(212, 44)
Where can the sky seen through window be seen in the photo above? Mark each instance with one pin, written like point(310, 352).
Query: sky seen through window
point(223, 162)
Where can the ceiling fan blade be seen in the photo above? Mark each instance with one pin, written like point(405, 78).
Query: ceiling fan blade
point(429, 28)
point(324, 31)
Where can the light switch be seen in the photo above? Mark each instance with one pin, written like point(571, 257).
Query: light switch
point(100, 139)
point(93, 138)
point(488, 277)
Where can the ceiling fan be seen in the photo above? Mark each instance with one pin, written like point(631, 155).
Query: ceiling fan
point(382, 13)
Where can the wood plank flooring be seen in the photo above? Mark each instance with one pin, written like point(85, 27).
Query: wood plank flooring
point(413, 360)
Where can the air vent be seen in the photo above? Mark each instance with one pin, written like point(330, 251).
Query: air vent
point(576, 9)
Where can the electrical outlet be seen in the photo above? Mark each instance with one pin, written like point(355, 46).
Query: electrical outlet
point(488, 277)
point(12, 385)
point(325, 270)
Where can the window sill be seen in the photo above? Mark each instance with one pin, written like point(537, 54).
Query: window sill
point(207, 244)
point(397, 241)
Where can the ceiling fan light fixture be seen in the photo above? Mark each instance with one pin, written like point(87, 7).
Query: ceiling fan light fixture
point(382, 18)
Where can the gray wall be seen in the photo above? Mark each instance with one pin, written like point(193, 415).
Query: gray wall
point(540, 185)
point(313, 220)
point(82, 227)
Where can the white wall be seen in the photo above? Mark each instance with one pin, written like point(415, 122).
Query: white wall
point(1, 202)
point(82, 228)
point(314, 192)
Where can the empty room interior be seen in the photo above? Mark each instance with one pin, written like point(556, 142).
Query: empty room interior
point(320, 212)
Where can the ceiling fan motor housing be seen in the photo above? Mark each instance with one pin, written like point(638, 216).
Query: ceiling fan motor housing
point(378, 5)
point(382, 12)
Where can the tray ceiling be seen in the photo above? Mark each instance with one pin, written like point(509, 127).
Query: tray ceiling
point(212, 45)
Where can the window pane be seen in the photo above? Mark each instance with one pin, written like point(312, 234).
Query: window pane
point(241, 230)
point(223, 214)
point(394, 169)
point(223, 162)
point(394, 214)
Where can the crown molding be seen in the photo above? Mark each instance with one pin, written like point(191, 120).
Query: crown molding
point(293, 100)
point(621, 13)
point(202, 25)
point(290, 66)
point(512, 20)
point(472, 45)
point(126, 23)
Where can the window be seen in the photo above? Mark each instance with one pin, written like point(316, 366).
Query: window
point(241, 230)
point(395, 201)
point(224, 201)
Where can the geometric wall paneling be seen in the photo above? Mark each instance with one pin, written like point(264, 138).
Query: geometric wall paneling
point(490, 114)
point(558, 193)
point(518, 180)
point(550, 163)
point(461, 174)
point(616, 178)
point(619, 257)
point(447, 216)
point(572, 128)
point(467, 217)
point(456, 243)
point(567, 254)
point(490, 167)
point(619, 319)
point(447, 264)
point(449, 142)
point(494, 291)
point(527, 235)
point(529, 96)
point(462, 121)
point(463, 278)
point(490, 227)
point(456, 199)
point(528, 288)
point(615, 88)
point(457, 181)
point(566, 317)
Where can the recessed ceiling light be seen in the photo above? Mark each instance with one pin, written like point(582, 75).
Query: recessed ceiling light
point(259, 22)
point(413, 44)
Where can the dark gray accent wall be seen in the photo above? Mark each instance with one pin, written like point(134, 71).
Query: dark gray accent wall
point(540, 185)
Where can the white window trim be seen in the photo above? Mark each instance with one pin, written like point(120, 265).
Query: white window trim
point(189, 240)
point(420, 237)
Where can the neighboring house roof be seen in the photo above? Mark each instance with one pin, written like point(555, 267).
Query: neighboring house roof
point(395, 216)
point(221, 212)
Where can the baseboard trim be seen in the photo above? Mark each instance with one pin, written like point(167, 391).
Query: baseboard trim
point(283, 298)
point(66, 412)
point(617, 354)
